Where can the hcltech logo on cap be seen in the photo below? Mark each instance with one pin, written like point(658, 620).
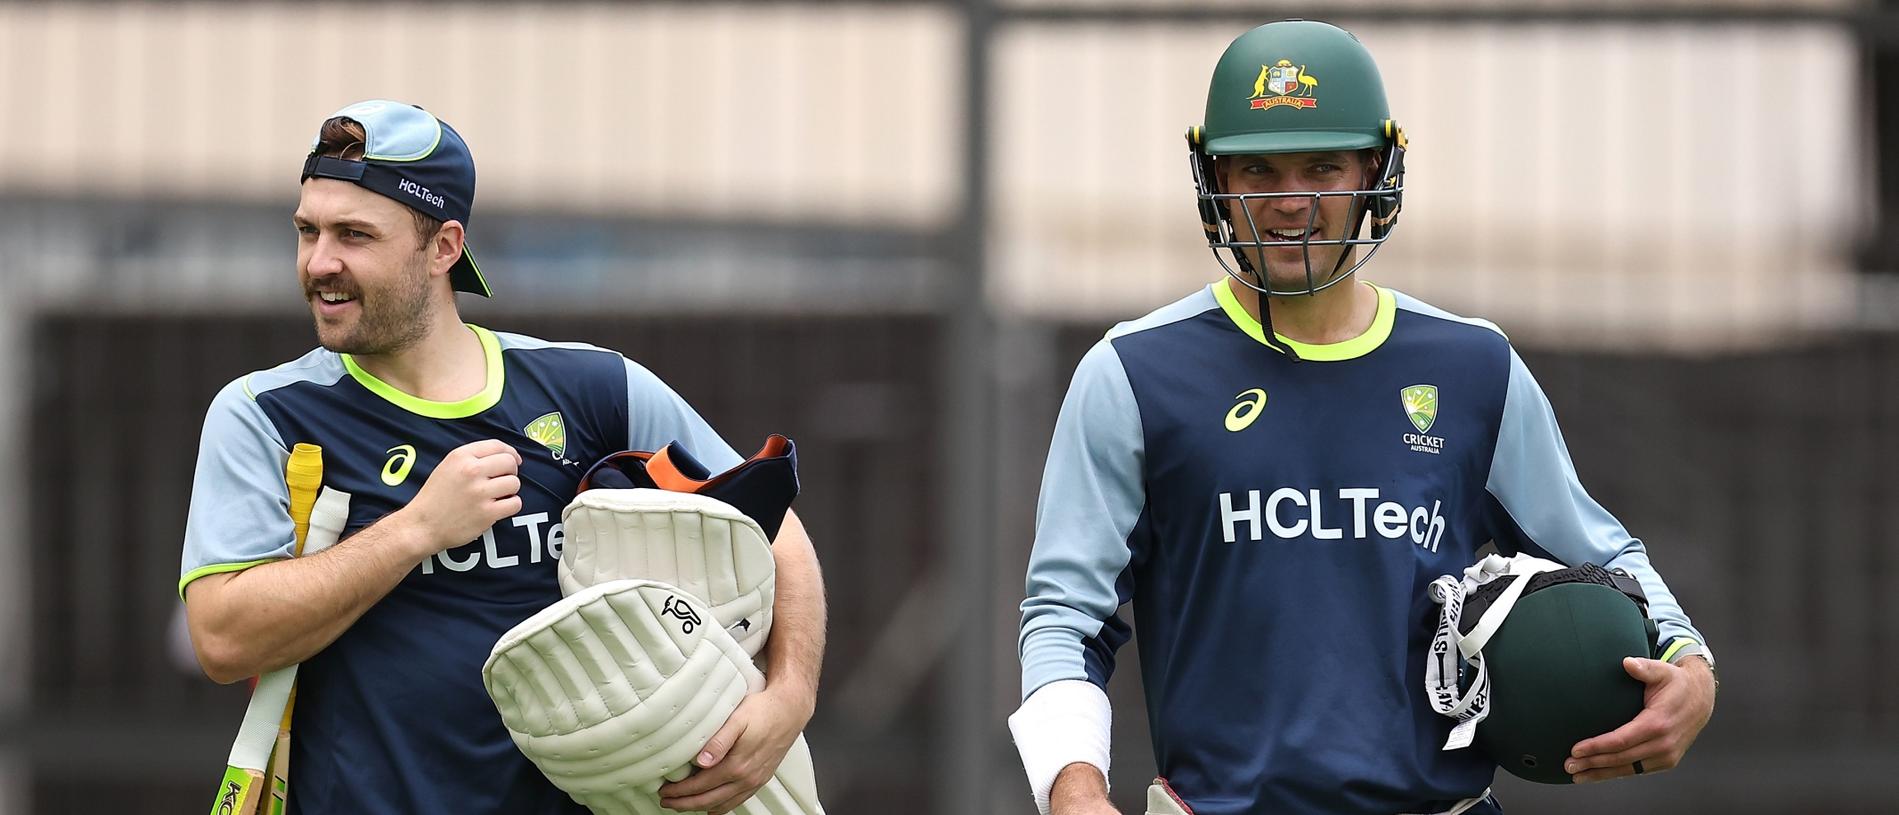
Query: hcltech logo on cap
point(1284, 84)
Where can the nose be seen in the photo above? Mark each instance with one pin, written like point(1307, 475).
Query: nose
point(1291, 202)
point(321, 258)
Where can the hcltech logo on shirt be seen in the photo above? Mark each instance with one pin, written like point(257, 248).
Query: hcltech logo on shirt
point(1352, 509)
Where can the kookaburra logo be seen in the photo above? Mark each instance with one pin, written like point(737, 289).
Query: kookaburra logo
point(1353, 509)
point(678, 608)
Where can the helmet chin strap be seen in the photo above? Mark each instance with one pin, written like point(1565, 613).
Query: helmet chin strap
point(1266, 333)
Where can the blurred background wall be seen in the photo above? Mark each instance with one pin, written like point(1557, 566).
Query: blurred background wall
point(889, 230)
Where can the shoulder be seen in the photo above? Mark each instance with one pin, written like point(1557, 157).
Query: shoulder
point(1179, 311)
point(528, 344)
point(572, 360)
point(319, 367)
point(1473, 328)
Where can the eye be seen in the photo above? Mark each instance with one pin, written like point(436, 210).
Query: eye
point(1326, 169)
point(355, 234)
point(306, 230)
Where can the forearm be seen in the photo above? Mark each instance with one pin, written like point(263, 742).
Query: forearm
point(795, 654)
point(1078, 786)
point(277, 614)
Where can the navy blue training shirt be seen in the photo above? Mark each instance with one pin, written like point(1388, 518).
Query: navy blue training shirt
point(1275, 523)
point(392, 718)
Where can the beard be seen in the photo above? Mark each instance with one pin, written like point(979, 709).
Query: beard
point(388, 319)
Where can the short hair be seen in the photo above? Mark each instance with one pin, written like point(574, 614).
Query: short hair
point(344, 138)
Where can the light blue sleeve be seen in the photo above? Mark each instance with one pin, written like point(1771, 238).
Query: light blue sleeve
point(240, 507)
point(657, 415)
point(1536, 486)
point(1092, 495)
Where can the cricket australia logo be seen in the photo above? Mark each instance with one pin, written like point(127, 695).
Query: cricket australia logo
point(1420, 406)
point(1284, 84)
point(550, 432)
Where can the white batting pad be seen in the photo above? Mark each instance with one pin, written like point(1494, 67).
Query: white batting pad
point(612, 691)
point(1161, 800)
point(699, 544)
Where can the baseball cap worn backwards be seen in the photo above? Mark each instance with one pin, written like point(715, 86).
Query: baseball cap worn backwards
point(413, 158)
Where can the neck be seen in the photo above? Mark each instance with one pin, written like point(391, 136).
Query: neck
point(1338, 313)
point(446, 365)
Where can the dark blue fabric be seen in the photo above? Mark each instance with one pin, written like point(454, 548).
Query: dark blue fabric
point(391, 718)
point(1285, 674)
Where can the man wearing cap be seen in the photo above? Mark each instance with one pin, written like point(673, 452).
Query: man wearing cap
point(457, 448)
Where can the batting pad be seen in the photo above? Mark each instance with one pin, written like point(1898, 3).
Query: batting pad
point(1161, 800)
point(699, 544)
point(612, 691)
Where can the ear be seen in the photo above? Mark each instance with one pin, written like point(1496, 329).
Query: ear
point(1374, 167)
point(445, 248)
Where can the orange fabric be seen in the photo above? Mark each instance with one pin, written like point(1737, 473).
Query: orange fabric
point(666, 475)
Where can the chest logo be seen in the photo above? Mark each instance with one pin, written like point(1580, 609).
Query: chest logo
point(549, 432)
point(396, 469)
point(1252, 401)
point(1420, 405)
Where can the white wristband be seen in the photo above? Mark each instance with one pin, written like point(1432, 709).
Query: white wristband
point(1063, 722)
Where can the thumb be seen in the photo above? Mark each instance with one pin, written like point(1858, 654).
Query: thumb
point(720, 743)
point(1649, 671)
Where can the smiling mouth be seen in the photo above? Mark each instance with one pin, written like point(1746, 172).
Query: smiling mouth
point(1287, 235)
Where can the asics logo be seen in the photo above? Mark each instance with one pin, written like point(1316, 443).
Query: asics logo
point(396, 469)
point(1252, 401)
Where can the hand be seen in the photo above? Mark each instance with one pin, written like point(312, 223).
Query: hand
point(742, 756)
point(1676, 704)
point(1080, 789)
point(474, 487)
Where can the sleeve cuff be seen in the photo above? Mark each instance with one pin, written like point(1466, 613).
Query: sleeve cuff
point(1681, 648)
point(1064, 722)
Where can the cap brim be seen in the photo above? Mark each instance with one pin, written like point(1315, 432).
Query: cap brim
point(466, 276)
point(1290, 141)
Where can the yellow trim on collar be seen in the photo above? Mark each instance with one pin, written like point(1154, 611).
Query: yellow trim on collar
point(489, 395)
point(1356, 347)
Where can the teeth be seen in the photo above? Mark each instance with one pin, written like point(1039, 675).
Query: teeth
point(1288, 233)
point(333, 297)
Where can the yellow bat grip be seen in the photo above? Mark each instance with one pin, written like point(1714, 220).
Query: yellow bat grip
point(304, 475)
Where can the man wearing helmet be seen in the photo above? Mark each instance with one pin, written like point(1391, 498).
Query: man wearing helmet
point(1275, 468)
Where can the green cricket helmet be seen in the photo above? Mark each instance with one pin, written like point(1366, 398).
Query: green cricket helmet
point(1296, 86)
point(1544, 645)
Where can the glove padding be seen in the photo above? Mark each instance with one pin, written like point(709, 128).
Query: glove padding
point(698, 544)
point(612, 691)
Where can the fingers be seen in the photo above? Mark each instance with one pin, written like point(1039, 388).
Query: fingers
point(488, 447)
point(1646, 726)
point(720, 799)
point(721, 742)
point(1655, 754)
point(1649, 671)
point(710, 775)
point(1652, 762)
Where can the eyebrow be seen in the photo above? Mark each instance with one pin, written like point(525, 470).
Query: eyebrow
point(357, 224)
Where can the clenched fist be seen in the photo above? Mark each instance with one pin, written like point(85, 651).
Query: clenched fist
point(476, 485)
